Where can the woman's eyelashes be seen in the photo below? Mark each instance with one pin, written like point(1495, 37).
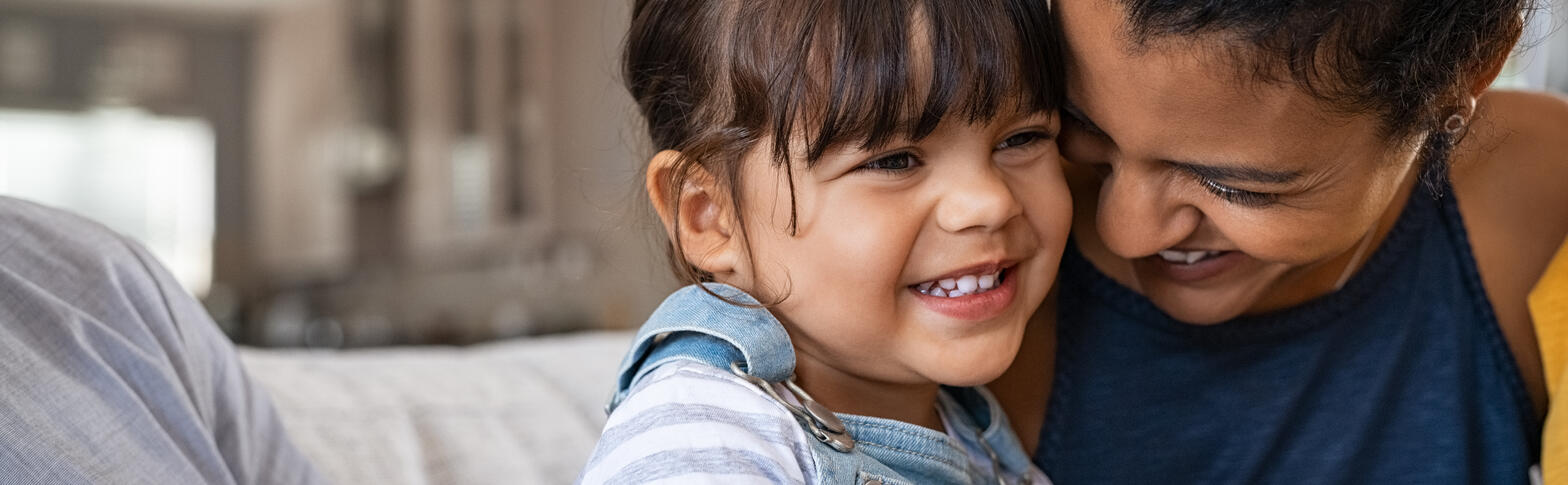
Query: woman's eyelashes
point(1245, 198)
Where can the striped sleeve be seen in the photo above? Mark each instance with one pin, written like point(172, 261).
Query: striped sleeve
point(687, 422)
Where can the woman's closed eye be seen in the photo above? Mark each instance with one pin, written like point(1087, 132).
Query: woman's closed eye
point(1241, 197)
point(1245, 198)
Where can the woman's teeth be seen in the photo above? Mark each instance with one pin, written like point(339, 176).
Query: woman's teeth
point(961, 286)
point(1187, 257)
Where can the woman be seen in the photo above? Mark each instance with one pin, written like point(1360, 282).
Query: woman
point(1303, 240)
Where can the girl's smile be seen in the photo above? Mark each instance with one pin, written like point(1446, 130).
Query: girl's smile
point(890, 190)
point(971, 296)
point(912, 264)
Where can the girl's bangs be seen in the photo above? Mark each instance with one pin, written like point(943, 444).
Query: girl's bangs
point(867, 72)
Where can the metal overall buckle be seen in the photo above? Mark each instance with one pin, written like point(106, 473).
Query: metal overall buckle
point(818, 419)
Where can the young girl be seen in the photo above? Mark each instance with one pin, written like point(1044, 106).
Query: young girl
point(866, 198)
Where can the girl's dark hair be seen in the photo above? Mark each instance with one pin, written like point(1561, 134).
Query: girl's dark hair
point(714, 78)
point(1412, 62)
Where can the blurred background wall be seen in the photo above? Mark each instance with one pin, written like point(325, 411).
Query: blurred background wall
point(345, 172)
point(341, 173)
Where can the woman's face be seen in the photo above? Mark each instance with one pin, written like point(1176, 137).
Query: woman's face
point(1211, 193)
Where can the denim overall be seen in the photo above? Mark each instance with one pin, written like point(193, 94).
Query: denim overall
point(693, 325)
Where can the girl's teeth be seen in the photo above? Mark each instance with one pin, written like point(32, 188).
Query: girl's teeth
point(968, 284)
point(961, 286)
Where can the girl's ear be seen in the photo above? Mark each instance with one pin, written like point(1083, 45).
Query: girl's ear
point(698, 216)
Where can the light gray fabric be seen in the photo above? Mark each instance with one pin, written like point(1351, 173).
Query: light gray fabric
point(110, 373)
point(522, 411)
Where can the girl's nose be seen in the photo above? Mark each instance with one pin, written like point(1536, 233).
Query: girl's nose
point(1138, 217)
point(979, 199)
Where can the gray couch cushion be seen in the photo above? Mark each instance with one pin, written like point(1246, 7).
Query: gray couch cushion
point(523, 411)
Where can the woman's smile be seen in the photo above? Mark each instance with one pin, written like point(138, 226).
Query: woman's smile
point(1190, 267)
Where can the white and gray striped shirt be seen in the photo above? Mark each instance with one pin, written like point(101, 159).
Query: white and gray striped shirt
point(690, 423)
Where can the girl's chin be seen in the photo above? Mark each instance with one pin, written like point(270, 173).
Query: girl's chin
point(971, 372)
point(969, 379)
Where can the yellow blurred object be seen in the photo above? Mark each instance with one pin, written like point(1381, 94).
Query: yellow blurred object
point(1549, 308)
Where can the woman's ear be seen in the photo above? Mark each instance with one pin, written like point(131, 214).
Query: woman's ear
point(697, 215)
point(1489, 70)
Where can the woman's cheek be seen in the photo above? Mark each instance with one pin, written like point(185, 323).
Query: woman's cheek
point(1281, 239)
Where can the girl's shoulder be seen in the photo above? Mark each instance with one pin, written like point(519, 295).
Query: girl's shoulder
point(695, 423)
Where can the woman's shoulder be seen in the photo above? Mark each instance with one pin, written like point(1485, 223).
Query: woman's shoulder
point(1509, 176)
point(1528, 112)
point(700, 424)
point(1517, 156)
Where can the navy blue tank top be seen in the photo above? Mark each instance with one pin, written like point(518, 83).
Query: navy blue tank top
point(1402, 376)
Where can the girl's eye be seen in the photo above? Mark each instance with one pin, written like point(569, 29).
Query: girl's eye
point(1240, 197)
point(895, 163)
point(1020, 139)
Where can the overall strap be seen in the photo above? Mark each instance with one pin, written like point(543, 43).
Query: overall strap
point(696, 325)
point(727, 329)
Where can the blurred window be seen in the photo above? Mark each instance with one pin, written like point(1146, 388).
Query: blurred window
point(147, 176)
point(1541, 60)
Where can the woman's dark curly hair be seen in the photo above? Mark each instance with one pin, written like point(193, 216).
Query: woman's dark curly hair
point(1411, 62)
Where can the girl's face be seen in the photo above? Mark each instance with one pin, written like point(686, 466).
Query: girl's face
point(1213, 195)
point(881, 233)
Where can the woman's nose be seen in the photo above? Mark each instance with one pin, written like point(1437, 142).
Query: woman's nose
point(979, 199)
point(1138, 217)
